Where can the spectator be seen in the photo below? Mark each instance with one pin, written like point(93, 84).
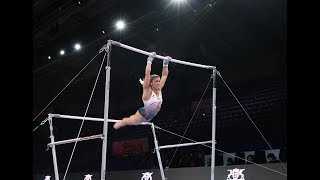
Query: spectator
point(250, 159)
point(229, 161)
point(271, 158)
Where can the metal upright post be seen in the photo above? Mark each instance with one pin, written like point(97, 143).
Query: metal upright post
point(106, 112)
point(213, 150)
point(157, 150)
point(53, 149)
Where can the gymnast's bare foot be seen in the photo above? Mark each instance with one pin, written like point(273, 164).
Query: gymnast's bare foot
point(119, 124)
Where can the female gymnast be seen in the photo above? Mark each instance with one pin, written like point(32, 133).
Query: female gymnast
point(151, 96)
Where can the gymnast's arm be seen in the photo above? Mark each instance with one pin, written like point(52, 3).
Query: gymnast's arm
point(165, 72)
point(146, 82)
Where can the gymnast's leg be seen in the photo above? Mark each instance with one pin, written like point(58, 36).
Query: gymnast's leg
point(132, 120)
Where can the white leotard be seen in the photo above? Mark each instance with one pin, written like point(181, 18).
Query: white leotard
point(153, 102)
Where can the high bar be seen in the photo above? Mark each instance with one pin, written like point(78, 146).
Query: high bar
point(160, 57)
point(185, 144)
point(75, 139)
point(90, 118)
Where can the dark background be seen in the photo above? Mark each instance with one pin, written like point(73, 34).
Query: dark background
point(245, 40)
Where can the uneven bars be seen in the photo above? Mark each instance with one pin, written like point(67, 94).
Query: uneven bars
point(75, 139)
point(160, 57)
point(185, 144)
point(90, 118)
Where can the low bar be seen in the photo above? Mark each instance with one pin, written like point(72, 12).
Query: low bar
point(75, 139)
point(90, 118)
point(185, 144)
point(160, 57)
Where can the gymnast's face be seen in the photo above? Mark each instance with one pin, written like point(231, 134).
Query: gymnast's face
point(155, 83)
